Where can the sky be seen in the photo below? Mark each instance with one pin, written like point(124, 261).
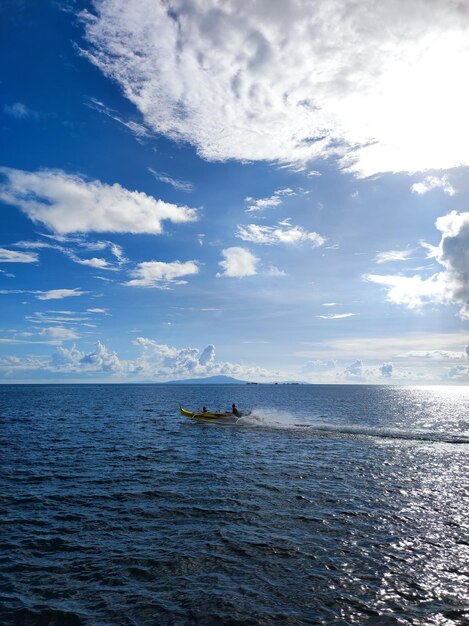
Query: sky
point(274, 190)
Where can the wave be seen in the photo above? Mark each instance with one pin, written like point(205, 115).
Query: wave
point(283, 420)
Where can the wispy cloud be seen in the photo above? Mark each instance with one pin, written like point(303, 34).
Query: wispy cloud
point(259, 204)
point(20, 111)
point(68, 203)
point(73, 247)
point(180, 185)
point(51, 294)
point(139, 130)
point(393, 255)
point(13, 256)
point(58, 294)
point(60, 333)
point(336, 316)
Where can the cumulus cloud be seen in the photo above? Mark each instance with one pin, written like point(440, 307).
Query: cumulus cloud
point(208, 355)
point(160, 275)
point(355, 369)
point(272, 270)
point(386, 370)
point(238, 263)
point(319, 365)
point(13, 256)
point(292, 81)
point(161, 361)
point(98, 360)
point(393, 255)
point(283, 233)
point(68, 203)
point(434, 182)
point(458, 373)
point(451, 285)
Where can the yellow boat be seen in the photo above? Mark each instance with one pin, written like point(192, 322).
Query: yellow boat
point(208, 416)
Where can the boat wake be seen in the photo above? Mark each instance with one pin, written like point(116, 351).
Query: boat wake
point(262, 418)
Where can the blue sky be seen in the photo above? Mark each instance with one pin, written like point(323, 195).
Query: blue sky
point(272, 191)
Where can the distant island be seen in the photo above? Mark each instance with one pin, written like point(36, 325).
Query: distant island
point(210, 380)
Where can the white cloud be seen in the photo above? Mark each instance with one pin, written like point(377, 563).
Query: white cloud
point(386, 370)
point(272, 270)
point(238, 262)
point(161, 275)
point(70, 245)
point(60, 332)
point(19, 110)
point(459, 373)
point(355, 369)
point(388, 348)
point(411, 291)
point(259, 204)
point(161, 361)
point(208, 355)
point(52, 294)
point(13, 256)
point(9, 340)
point(319, 365)
point(7, 274)
point(98, 360)
point(433, 355)
point(67, 203)
point(139, 130)
point(336, 316)
point(180, 185)
point(283, 233)
point(292, 81)
point(95, 262)
point(329, 304)
point(57, 294)
point(450, 286)
point(96, 310)
point(434, 182)
point(393, 255)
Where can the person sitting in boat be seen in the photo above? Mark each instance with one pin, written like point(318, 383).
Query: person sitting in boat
point(234, 410)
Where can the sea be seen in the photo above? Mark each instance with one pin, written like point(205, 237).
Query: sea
point(329, 504)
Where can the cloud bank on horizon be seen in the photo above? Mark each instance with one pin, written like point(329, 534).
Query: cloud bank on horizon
point(292, 81)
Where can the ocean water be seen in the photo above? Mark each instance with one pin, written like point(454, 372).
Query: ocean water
point(328, 505)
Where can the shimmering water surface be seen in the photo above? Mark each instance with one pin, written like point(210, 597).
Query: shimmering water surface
point(329, 505)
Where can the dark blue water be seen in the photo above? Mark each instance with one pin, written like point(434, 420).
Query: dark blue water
point(329, 505)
